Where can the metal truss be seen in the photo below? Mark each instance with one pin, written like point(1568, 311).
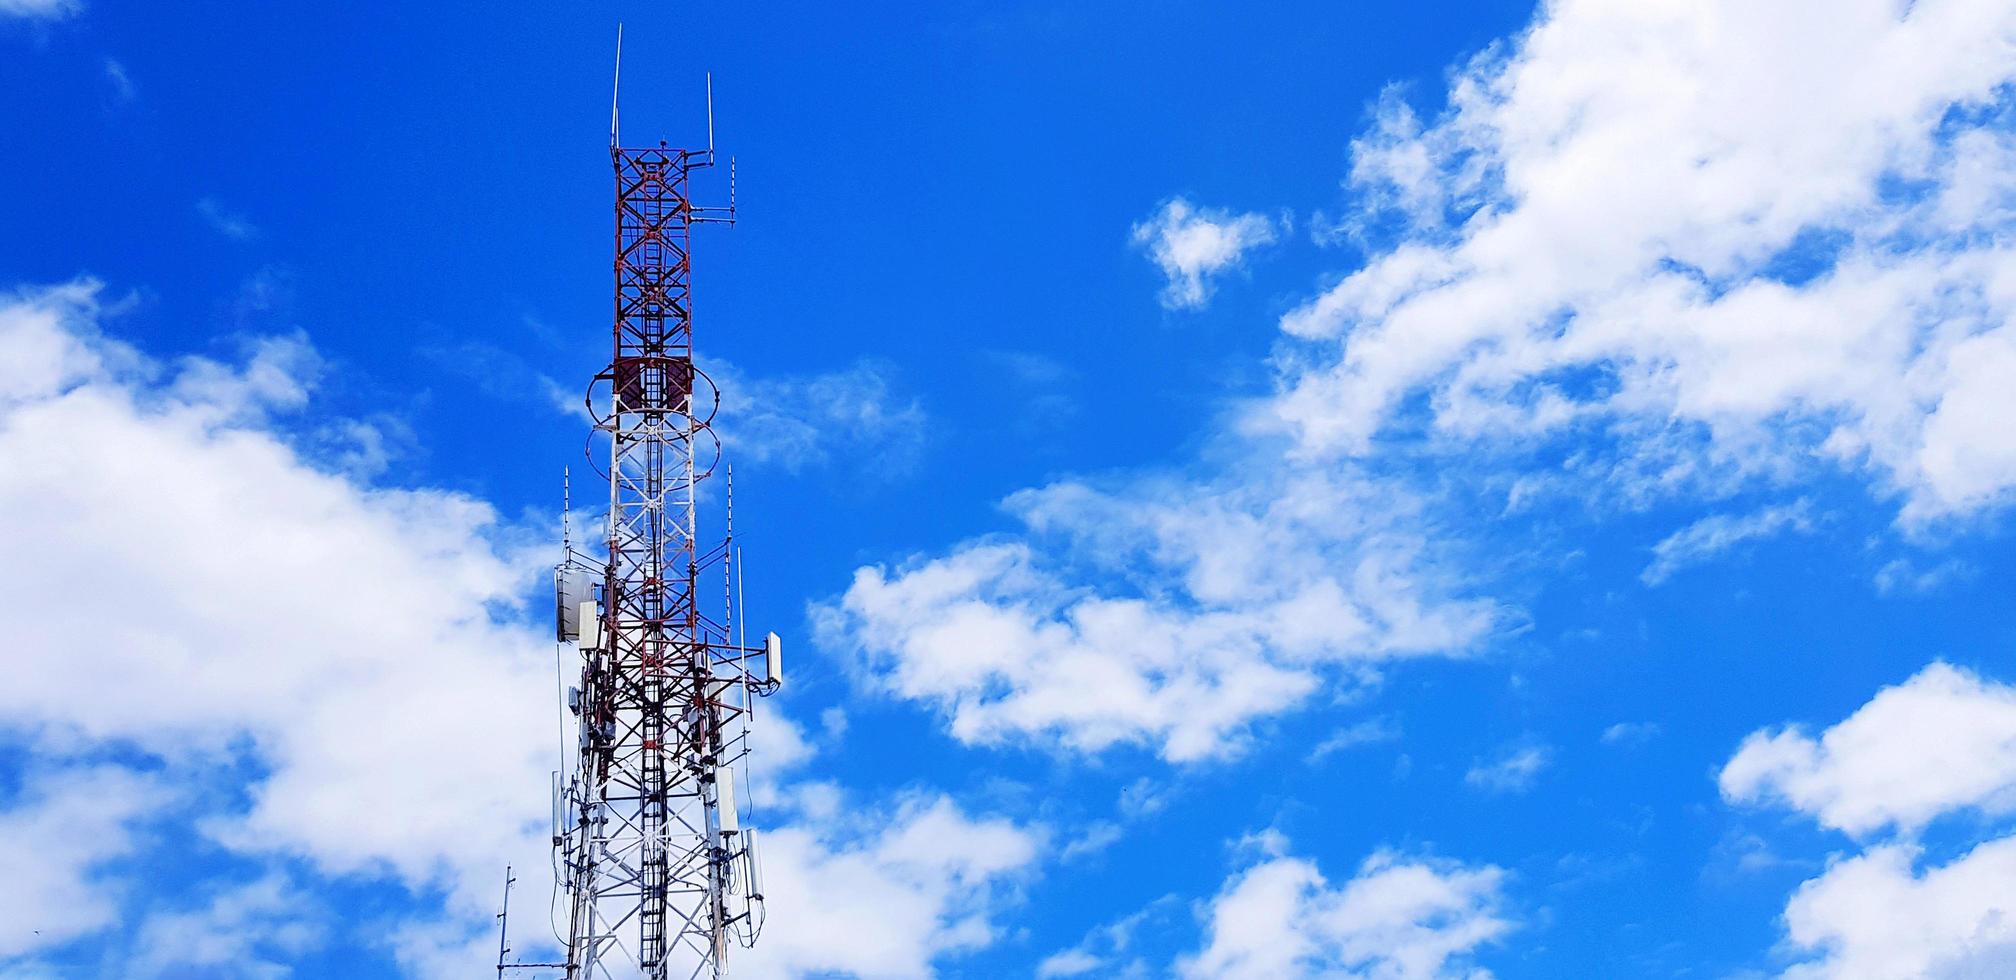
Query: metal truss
point(659, 873)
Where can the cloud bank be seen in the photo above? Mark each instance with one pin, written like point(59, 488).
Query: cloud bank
point(1723, 239)
point(289, 667)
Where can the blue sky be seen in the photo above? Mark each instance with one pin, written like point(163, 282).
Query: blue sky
point(1369, 490)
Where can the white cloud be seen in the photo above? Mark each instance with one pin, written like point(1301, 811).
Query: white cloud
point(887, 894)
point(281, 601)
point(1144, 797)
point(1609, 234)
point(40, 9)
point(1513, 771)
point(1367, 732)
point(1194, 246)
point(254, 929)
point(1873, 917)
point(1397, 919)
point(1712, 535)
point(780, 742)
point(1682, 224)
point(1097, 836)
point(58, 838)
point(193, 549)
point(1068, 963)
point(1111, 950)
point(1222, 604)
point(1942, 741)
point(853, 415)
point(1138, 801)
point(1901, 575)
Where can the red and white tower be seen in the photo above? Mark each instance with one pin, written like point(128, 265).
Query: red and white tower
point(656, 862)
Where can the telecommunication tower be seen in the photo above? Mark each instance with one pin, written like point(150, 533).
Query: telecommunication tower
point(653, 861)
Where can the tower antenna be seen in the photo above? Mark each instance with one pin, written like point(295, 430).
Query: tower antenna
point(616, 86)
point(504, 967)
point(660, 875)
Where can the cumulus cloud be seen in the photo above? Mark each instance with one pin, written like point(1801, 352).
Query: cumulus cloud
point(887, 896)
point(888, 891)
point(1193, 246)
point(1610, 236)
point(280, 602)
point(324, 636)
point(1398, 918)
point(1942, 741)
point(1222, 604)
point(1712, 535)
point(1738, 239)
point(1874, 917)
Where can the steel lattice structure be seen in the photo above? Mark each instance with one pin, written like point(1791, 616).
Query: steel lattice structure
point(659, 873)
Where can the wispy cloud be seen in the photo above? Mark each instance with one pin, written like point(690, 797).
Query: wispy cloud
point(1902, 576)
point(225, 222)
point(1096, 837)
point(1112, 949)
point(1513, 771)
point(855, 416)
point(41, 9)
point(1039, 382)
point(1367, 732)
point(1630, 733)
point(1710, 536)
point(257, 928)
point(122, 83)
point(504, 374)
